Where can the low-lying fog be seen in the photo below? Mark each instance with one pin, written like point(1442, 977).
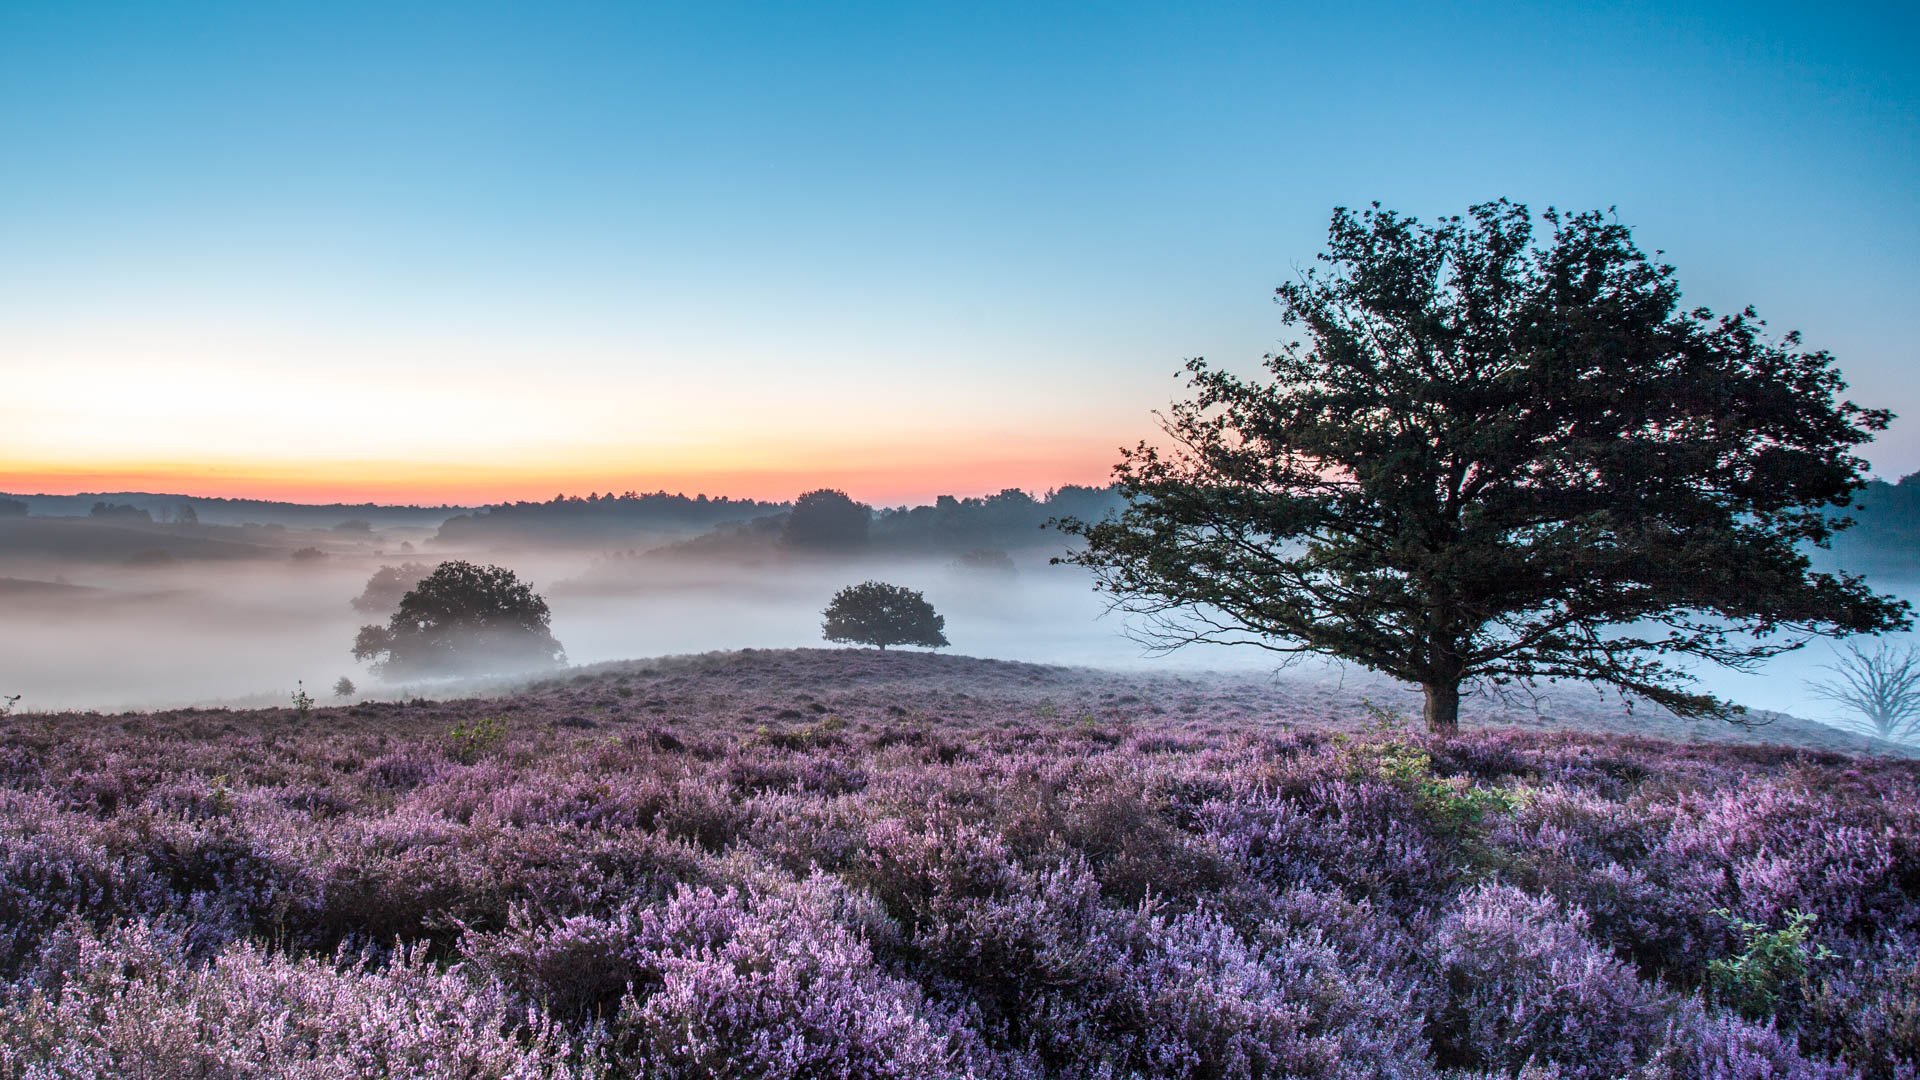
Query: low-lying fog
point(248, 632)
point(89, 635)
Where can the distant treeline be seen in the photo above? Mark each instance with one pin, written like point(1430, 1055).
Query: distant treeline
point(1011, 519)
point(598, 519)
point(633, 529)
point(1885, 539)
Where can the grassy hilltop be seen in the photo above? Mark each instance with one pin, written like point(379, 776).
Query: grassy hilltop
point(848, 864)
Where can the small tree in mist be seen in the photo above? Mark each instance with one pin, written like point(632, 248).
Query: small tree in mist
point(344, 688)
point(387, 585)
point(985, 564)
point(878, 614)
point(463, 618)
point(1880, 687)
point(120, 512)
point(12, 508)
point(826, 520)
point(1500, 462)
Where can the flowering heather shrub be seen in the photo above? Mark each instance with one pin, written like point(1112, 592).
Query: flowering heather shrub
point(774, 986)
point(132, 1004)
point(679, 869)
point(1525, 986)
point(1199, 999)
point(53, 869)
point(1865, 1007)
point(1699, 1045)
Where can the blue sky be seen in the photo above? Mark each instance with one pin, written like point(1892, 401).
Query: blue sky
point(464, 249)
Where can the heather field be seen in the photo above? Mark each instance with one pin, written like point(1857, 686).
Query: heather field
point(853, 864)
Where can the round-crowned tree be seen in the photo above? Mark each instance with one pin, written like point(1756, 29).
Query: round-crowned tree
point(463, 619)
point(826, 520)
point(879, 614)
point(1496, 461)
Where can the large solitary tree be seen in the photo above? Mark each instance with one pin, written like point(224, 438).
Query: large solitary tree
point(1499, 460)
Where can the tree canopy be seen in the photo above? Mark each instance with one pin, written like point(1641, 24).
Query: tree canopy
point(879, 614)
point(1496, 460)
point(827, 520)
point(462, 619)
point(388, 586)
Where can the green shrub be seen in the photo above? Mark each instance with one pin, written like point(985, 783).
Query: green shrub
point(473, 741)
point(1452, 804)
point(1770, 963)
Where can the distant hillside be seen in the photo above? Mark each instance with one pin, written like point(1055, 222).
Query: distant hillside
point(214, 511)
point(968, 691)
point(26, 589)
point(70, 540)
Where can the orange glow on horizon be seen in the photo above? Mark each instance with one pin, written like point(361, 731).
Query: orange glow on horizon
point(879, 482)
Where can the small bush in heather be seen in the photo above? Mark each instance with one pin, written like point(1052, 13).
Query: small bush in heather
point(477, 738)
point(302, 701)
point(1771, 963)
point(1452, 804)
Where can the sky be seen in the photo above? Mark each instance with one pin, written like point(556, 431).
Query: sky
point(482, 251)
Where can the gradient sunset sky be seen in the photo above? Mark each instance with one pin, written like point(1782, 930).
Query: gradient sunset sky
point(481, 251)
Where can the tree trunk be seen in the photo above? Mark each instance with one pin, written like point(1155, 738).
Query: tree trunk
point(1443, 707)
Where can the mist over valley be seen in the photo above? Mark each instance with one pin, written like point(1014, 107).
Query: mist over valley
point(112, 610)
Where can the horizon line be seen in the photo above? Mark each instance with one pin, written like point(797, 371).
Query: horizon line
point(1033, 492)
